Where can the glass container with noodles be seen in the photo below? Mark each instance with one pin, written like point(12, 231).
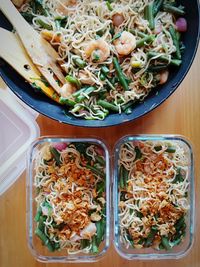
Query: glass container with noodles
point(68, 199)
point(154, 207)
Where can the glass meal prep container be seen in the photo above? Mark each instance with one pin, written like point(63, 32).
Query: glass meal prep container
point(68, 219)
point(153, 197)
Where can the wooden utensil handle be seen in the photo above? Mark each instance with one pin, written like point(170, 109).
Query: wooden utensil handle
point(13, 15)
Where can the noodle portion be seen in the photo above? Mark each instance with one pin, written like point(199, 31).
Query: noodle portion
point(70, 196)
point(110, 52)
point(153, 194)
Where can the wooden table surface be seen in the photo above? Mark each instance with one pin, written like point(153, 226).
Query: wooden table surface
point(180, 114)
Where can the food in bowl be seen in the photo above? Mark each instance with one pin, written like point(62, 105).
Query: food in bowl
point(69, 184)
point(154, 199)
point(113, 53)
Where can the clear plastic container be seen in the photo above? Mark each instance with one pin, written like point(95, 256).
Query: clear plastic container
point(142, 252)
point(18, 130)
point(39, 251)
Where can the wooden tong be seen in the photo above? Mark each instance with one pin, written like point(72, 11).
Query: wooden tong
point(40, 51)
point(14, 53)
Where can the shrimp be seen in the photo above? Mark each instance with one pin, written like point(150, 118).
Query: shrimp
point(97, 50)
point(125, 44)
point(86, 233)
point(85, 78)
point(64, 5)
point(67, 90)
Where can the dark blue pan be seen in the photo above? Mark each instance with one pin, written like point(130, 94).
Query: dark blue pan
point(47, 107)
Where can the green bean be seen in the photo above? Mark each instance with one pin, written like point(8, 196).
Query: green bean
point(128, 105)
point(100, 32)
point(44, 239)
point(109, 6)
point(100, 160)
point(151, 236)
point(41, 224)
point(110, 85)
point(146, 40)
point(141, 241)
point(79, 62)
point(73, 80)
point(85, 243)
point(94, 248)
point(105, 104)
point(100, 187)
point(112, 30)
point(95, 170)
point(78, 92)
point(38, 214)
point(157, 68)
point(180, 222)
point(139, 214)
point(178, 178)
point(44, 25)
point(77, 108)
point(174, 10)
point(138, 33)
point(176, 241)
point(87, 91)
point(28, 16)
point(157, 148)
point(123, 175)
point(105, 70)
point(138, 153)
point(56, 155)
point(171, 149)
point(120, 74)
point(157, 6)
point(116, 36)
point(130, 239)
point(67, 101)
point(128, 111)
point(165, 242)
point(102, 77)
point(174, 62)
point(175, 41)
point(100, 225)
point(61, 21)
point(148, 14)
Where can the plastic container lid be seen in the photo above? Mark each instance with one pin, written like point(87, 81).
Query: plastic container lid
point(18, 130)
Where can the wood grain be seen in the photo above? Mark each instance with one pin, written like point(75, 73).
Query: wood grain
point(180, 114)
